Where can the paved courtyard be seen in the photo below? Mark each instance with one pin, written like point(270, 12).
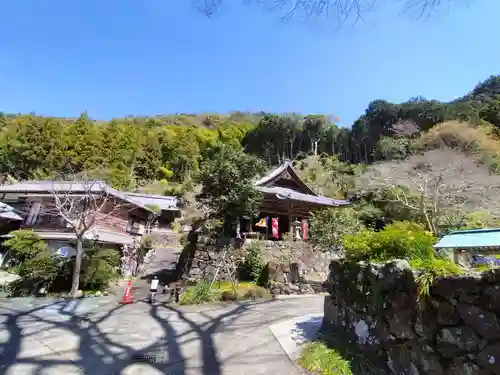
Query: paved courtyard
point(139, 339)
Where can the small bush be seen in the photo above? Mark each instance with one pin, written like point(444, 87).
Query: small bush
point(200, 293)
point(430, 269)
point(398, 240)
point(228, 296)
point(99, 268)
point(253, 265)
point(24, 244)
point(257, 293)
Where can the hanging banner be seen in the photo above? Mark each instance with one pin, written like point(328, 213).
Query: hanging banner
point(276, 232)
point(304, 229)
point(262, 223)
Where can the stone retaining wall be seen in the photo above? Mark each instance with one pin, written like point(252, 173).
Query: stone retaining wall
point(285, 260)
point(456, 331)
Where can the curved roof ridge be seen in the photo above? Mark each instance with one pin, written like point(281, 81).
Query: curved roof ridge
point(286, 165)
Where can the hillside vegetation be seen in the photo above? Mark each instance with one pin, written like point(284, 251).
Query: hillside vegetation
point(163, 154)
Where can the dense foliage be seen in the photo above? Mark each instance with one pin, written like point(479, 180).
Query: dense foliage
point(227, 179)
point(38, 267)
point(168, 150)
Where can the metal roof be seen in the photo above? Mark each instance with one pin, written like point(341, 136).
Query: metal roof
point(166, 203)
point(470, 239)
point(7, 213)
point(285, 193)
point(104, 236)
point(74, 187)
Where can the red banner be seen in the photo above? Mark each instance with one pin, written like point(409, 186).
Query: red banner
point(304, 229)
point(275, 227)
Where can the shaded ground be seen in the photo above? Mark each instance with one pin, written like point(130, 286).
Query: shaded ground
point(63, 339)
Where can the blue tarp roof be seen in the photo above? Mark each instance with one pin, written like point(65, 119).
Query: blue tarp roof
point(470, 238)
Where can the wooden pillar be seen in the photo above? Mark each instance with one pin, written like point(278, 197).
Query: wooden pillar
point(290, 222)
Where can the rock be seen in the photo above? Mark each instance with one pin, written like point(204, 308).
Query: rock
point(426, 323)
point(489, 359)
point(399, 361)
point(458, 287)
point(79, 294)
point(98, 294)
point(380, 329)
point(430, 364)
point(306, 289)
point(447, 314)
point(105, 293)
point(491, 298)
point(452, 341)
point(491, 276)
point(400, 326)
point(297, 272)
point(461, 367)
point(398, 265)
point(330, 311)
point(396, 275)
point(483, 322)
point(294, 288)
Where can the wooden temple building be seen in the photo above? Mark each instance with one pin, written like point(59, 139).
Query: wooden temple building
point(289, 199)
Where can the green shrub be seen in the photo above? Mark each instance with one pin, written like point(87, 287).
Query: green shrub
point(24, 245)
point(430, 269)
point(403, 239)
point(200, 293)
point(99, 267)
point(322, 360)
point(329, 225)
point(253, 265)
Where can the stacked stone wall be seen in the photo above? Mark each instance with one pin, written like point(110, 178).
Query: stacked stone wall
point(454, 330)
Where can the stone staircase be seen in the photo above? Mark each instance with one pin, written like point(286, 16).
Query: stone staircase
point(162, 265)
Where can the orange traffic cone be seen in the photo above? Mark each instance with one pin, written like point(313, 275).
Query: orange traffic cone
point(127, 296)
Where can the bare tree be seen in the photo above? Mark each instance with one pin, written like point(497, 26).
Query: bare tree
point(338, 10)
point(438, 182)
point(405, 128)
point(81, 204)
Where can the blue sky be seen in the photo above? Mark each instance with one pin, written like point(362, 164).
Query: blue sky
point(121, 57)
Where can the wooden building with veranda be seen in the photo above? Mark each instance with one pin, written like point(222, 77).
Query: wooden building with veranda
point(289, 199)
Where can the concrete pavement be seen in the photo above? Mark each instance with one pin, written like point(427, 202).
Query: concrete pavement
point(140, 339)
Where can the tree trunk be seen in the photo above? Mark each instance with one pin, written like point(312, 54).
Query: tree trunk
point(75, 284)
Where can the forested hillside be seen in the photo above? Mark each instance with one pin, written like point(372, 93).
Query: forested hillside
point(163, 152)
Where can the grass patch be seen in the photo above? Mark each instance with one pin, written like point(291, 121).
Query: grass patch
point(222, 291)
point(333, 354)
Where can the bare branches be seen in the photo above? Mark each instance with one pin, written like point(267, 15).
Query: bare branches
point(437, 182)
point(338, 10)
point(83, 202)
point(405, 128)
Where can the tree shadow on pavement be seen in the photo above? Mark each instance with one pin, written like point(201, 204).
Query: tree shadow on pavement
point(39, 340)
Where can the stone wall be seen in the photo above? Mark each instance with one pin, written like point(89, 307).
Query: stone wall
point(455, 331)
point(292, 264)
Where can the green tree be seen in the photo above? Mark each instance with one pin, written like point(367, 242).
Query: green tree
point(227, 183)
point(329, 225)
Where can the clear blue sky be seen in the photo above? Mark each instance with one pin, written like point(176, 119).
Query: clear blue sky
point(120, 57)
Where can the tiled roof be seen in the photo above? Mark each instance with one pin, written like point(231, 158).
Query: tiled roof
point(104, 236)
point(7, 213)
point(470, 239)
point(166, 203)
point(138, 199)
point(285, 193)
